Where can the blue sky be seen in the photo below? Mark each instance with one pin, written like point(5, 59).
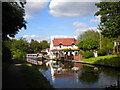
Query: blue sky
point(45, 19)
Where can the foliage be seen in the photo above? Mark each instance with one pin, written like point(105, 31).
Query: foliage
point(62, 58)
point(6, 51)
point(109, 59)
point(107, 44)
point(101, 52)
point(110, 18)
point(89, 34)
point(66, 49)
point(13, 18)
point(88, 54)
point(80, 52)
point(56, 57)
point(44, 44)
point(34, 47)
point(12, 21)
point(88, 44)
point(18, 53)
point(19, 47)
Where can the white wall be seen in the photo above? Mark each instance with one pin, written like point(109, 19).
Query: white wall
point(58, 47)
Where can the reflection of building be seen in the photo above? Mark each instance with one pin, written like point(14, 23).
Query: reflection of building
point(63, 70)
point(63, 47)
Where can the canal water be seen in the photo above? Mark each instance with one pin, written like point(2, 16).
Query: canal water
point(77, 75)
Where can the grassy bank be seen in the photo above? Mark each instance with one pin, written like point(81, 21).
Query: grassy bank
point(113, 60)
point(33, 78)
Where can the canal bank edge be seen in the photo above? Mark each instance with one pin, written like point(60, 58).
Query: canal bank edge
point(109, 61)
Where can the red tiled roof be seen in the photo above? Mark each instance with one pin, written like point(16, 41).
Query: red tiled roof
point(65, 41)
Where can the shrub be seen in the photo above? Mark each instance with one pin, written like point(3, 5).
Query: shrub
point(62, 58)
point(80, 52)
point(101, 52)
point(56, 57)
point(88, 54)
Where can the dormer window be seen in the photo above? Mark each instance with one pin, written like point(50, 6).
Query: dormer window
point(60, 45)
point(73, 44)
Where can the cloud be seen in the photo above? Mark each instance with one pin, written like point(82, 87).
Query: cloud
point(65, 8)
point(36, 37)
point(96, 20)
point(32, 7)
point(80, 31)
point(29, 37)
point(79, 24)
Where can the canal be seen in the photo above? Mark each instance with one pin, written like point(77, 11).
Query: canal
point(76, 75)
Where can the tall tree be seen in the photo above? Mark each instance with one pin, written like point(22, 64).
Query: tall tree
point(110, 19)
point(12, 21)
point(12, 18)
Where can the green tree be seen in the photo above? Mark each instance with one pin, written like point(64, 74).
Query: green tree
point(35, 46)
point(6, 52)
point(107, 44)
point(44, 44)
point(110, 19)
point(12, 18)
point(19, 47)
point(12, 21)
point(90, 34)
point(88, 44)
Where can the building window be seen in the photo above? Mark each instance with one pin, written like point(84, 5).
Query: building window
point(73, 44)
point(60, 45)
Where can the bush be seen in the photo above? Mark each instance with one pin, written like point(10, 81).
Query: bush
point(80, 52)
point(62, 58)
point(6, 54)
point(101, 52)
point(88, 54)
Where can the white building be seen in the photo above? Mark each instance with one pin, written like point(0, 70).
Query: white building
point(58, 44)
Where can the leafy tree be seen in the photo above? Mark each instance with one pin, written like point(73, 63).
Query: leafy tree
point(88, 44)
point(107, 44)
point(19, 47)
point(12, 18)
point(35, 46)
point(44, 44)
point(12, 21)
point(6, 52)
point(90, 34)
point(110, 18)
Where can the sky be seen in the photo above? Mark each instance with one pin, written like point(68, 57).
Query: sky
point(60, 18)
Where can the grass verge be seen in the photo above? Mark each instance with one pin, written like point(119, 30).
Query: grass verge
point(113, 60)
point(33, 78)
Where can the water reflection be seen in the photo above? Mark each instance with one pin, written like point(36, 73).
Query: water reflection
point(76, 75)
point(63, 69)
point(89, 74)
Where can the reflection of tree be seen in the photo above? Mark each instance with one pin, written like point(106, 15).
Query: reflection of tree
point(88, 74)
point(109, 71)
